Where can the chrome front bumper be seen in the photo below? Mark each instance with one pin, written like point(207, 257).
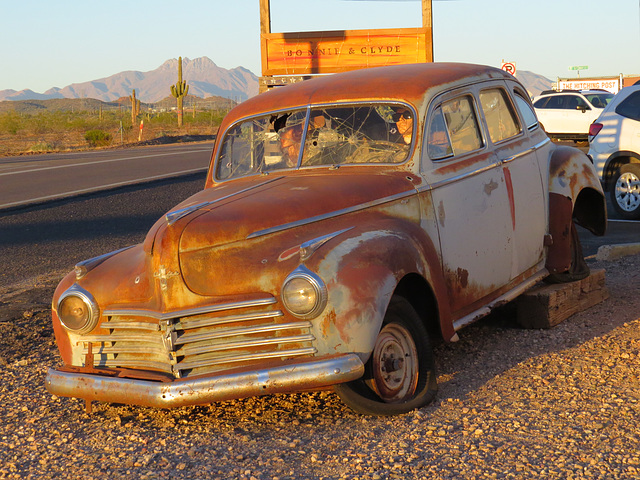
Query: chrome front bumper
point(308, 375)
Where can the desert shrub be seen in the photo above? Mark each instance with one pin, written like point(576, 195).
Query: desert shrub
point(10, 122)
point(97, 138)
point(42, 147)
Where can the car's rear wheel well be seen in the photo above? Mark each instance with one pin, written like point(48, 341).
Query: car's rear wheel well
point(417, 291)
point(589, 211)
point(614, 165)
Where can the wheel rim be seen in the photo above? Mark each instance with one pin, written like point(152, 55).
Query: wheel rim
point(628, 192)
point(395, 364)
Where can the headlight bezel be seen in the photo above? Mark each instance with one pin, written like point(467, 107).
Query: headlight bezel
point(93, 312)
point(318, 286)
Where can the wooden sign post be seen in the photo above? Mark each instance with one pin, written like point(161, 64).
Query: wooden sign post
point(292, 57)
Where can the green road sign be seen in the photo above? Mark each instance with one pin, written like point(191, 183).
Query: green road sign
point(582, 67)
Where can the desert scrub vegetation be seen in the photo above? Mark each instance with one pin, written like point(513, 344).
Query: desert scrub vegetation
point(42, 129)
point(98, 138)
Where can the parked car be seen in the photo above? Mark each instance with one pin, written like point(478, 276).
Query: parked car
point(345, 223)
point(614, 146)
point(567, 114)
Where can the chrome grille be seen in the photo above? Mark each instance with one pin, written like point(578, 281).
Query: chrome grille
point(199, 341)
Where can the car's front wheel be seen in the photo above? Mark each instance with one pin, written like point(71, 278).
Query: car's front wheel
point(625, 191)
point(400, 374)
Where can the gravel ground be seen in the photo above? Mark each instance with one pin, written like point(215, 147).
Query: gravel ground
point(513, 403)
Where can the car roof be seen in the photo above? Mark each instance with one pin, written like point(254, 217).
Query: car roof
point(559, 92)
point(406, 83)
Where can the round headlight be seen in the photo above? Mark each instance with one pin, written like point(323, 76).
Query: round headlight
point(304, 294)
point(77, 310)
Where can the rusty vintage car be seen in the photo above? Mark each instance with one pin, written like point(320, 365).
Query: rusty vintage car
point(345, 221)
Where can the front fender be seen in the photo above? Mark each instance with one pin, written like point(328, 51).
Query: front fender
point(363, 272)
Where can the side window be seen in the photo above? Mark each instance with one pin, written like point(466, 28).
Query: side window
point(556, 102)
point(630, 106)
point(462, 125)
point(541, 103)
point(501, 119)
point(578, 102)
point(438, 142)
point(527, 112)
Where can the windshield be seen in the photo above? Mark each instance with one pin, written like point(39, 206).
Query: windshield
point(599, 100)
point(333, 135)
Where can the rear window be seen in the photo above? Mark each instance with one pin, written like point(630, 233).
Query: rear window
point(630, 106)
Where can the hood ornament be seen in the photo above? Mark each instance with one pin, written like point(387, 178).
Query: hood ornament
point(163, 275)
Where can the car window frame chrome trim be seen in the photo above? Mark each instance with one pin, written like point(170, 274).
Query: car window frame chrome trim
point(485, 168)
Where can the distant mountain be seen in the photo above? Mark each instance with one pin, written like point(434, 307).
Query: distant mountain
point(203, 76)
point(29, 95)
point(533, 82)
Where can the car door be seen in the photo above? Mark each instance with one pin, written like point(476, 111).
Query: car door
point(516, 150)
point(552, 114)
point(467, 190)
point(628, 137)
point(579, 115)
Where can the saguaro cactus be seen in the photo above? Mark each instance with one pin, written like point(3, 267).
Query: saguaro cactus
point(135, 107)
point(179, 91)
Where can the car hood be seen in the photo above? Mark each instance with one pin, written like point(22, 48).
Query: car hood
point(249, 209)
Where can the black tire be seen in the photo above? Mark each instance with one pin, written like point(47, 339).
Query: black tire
point(625, 191)
point(578, 269)
point(412, 382)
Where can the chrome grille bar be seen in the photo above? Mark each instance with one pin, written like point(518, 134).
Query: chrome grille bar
point(133, 350)
point(198, 337)
point(190, 312)
point(186, 324)
point(123, 337)
point(136, 363)
point(246, 357)
point(111, 324)
point(194, 349)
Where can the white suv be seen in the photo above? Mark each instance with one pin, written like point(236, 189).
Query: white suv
point(614, 147)
point(567, 114)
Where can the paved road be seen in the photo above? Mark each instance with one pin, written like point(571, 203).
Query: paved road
point(37, 178)
point(48, 239)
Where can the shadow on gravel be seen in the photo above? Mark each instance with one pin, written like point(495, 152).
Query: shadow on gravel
point(497, 343)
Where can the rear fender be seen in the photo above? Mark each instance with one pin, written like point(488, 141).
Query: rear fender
point(575, 194)
point(571, 171)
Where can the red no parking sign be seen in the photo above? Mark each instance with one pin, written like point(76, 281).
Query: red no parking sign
point(509, 67)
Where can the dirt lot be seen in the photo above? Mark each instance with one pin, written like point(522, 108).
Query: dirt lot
point(513, 403)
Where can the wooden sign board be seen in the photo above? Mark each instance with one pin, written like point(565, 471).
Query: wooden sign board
point(307, 53)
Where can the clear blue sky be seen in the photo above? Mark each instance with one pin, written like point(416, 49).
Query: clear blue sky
point(49, 43)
